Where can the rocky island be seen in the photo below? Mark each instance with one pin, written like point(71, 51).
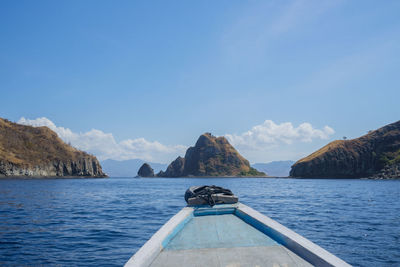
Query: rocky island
point(374, 155)
point(211, 157)
point(145, 171)
point(27, 151)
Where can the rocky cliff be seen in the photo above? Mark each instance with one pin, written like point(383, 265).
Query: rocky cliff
point(211, 156)
point(146, 171)
point(27, 151)
point(175, 169)
point(376, 154)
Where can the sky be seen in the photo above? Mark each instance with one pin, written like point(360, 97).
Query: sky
point(143, 79)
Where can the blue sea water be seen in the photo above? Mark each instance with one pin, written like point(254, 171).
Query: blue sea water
point(103, 222)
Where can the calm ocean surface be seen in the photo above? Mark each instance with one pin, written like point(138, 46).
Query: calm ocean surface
point(103, 222)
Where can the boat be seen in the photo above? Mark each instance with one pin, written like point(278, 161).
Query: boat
point(222, 233)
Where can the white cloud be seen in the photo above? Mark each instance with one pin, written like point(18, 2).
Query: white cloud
point(269, 134)
point(104, 146)
point(262, 143)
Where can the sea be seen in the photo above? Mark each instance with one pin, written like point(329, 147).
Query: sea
point(103, 222)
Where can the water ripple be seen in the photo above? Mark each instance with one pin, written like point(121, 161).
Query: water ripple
point(102, 222)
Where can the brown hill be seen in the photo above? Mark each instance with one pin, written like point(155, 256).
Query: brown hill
point(376, 154)
point(211, 156)
point(38, 151)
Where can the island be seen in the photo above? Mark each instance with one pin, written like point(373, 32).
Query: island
point(27, 151)
point(211, 157)
point(145, 171)
point(374, 155)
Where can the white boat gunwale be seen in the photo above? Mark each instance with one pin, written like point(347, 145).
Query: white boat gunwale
point(303, 247)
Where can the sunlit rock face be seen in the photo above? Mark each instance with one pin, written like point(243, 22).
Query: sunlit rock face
point(376, 154)
point(27, 151)
point(211, 156)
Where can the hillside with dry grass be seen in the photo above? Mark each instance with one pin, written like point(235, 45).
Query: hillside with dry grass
point(376, 154)
point(38, 151)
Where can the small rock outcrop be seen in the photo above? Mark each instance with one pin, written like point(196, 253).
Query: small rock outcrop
point(27, 151)
point(388, 172)
point(211, 156)
point(175, 169)
point(146, 171)
point(374, 155)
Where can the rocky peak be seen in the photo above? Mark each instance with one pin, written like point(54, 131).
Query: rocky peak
point(211, 156)
point(175, 169)
point(146, 171)
point(205, 139)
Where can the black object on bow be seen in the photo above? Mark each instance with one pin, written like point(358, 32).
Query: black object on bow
point(211, 195)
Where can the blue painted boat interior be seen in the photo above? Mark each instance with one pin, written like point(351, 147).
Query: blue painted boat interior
point(222, 231)
point(223, 236)
point(202, 229)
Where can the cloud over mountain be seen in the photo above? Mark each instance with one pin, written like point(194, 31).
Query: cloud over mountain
point(104, 145)
point(265, 142)
point(270, 134)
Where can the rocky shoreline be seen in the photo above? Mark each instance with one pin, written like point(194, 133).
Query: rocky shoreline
point(388, 172)
point(374, 155)
point(27, 151)
point(86, 167)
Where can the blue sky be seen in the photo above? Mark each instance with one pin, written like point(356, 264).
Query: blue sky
point(164, 72)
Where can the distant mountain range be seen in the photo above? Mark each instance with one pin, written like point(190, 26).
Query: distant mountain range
point(275, 168)
point(127, 168)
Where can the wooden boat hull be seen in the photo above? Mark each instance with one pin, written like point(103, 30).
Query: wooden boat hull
point(228, 235)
